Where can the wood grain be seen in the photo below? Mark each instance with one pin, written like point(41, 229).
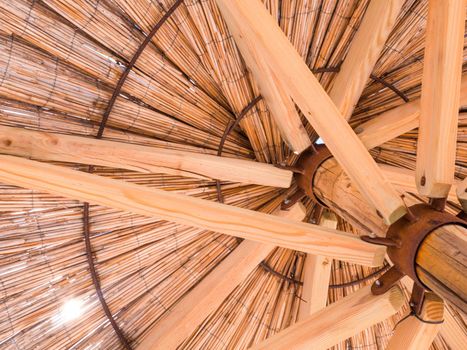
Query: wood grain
point(337, 322)
point(397, 121)
point(316, 275)
point(179, 322)
point(413, 334)
point(442, 70)
point(254, 28)
point(189, 211)
point(364, 51)
point(442, 264)
point(67, 148)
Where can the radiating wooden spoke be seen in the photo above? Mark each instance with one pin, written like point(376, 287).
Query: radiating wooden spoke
point(436, 150)
point(205, 298)
point(281, 106)
point(364, 51)
point(188, 210)
point(417, 333)
point(397, 121)
point(68, 148)
point(403, 180)
point(257, 34)
point(316, 275)
point(337, 322)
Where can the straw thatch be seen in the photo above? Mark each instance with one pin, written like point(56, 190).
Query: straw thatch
point(59, 63)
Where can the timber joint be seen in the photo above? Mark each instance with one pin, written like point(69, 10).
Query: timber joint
point(403, 240)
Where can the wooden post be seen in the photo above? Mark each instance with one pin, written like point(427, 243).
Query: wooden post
point(417, 333)
point(441, 257)
point(442, 70)
point(316, 274)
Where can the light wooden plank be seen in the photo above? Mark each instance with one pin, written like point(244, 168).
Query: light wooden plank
point(442, 69)
point(257, 32)
point(189, 211)
point(403, 180)
point(389, 125)
point(452, 330)
point(337, 322)
point(413, 334)
point(68, 148)
point(280, 104)
point(182, 319)
point(365, 49)
point(316, 275)
point(397, 121)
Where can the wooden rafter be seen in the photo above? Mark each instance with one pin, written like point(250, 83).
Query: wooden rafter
point(337, 322)
point(257, 32)
point(316, 275)
point(281, 106)
point(68, 148)
point(364, 51)
point(436, 149)
point(188, 211)
point(403, 180)
point(397, 121)
point(181, 320)
point(418, 332)
point(439, 258)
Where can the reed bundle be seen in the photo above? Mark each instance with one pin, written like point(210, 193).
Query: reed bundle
point(59, 63)
point(142, 263)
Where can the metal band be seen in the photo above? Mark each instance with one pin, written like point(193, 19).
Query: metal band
point(309, 162)
point(86, 226)
point(130, 65)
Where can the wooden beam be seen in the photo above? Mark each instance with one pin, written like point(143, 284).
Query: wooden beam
point(397, 121)
point(337, 322)
point(365, 49)
point(403, 180)
point(389, 125)
point(441, 257)
point(412, 333)
point(189, 211)
point(182, 319)
point(280, 104)
point(442, 69)
point(67, 148)
point(316, 275)
point(441, 264)
point(257, 32)
point(452, 332)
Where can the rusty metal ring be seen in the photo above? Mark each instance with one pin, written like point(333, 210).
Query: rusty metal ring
point(310, 161)
point(410, 235)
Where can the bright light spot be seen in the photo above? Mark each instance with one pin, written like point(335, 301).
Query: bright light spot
point(71, 310)
point(319, 141)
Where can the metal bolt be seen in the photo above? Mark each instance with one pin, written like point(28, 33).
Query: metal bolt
point(286, 201)
point(378, 283)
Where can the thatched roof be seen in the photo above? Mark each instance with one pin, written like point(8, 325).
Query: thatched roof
point(60, 61)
